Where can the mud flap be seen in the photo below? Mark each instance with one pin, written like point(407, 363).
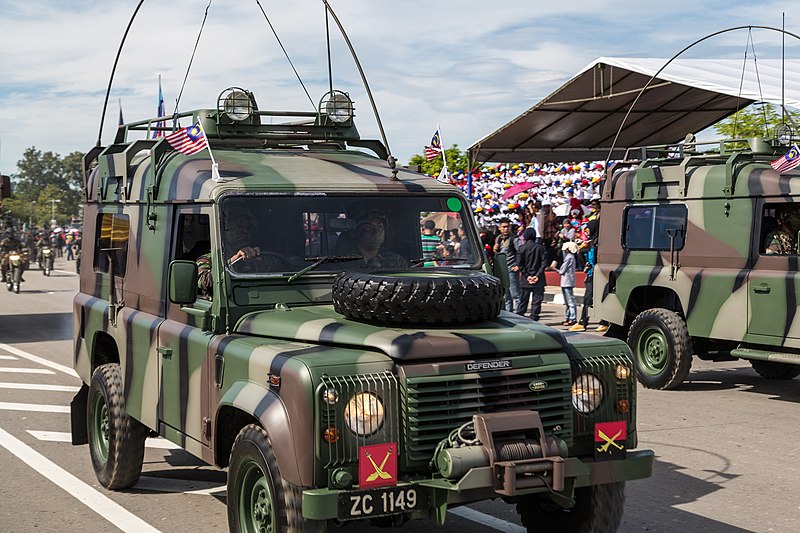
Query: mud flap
point(77, 416)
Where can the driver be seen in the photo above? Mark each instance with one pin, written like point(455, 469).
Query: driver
point(238, 229)
point(368, 242)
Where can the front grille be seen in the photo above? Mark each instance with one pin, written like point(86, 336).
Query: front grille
point(604, 367)
point(345, 450)
point(435, 405)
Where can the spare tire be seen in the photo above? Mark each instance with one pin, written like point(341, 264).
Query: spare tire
point(435, 297)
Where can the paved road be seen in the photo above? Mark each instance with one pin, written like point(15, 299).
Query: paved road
point(726, 447)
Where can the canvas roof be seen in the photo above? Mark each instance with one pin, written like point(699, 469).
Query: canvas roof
point(579, 121)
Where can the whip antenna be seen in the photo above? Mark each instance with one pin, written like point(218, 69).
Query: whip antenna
point(113, 70)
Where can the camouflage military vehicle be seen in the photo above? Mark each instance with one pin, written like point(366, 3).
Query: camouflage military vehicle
point(698, 255)
point(335, 369)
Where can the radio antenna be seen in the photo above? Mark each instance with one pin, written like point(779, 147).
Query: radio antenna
point(114, 69)
point(390, 158)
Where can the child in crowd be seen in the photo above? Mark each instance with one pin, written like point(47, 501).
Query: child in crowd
point(567, 272)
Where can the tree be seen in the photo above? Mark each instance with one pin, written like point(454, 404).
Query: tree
point(456, 160)
point(42, 178)
point(756, 120)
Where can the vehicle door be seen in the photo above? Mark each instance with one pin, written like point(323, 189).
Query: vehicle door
point(183, 346)
point(774, 282)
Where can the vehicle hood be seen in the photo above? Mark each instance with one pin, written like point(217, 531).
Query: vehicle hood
point(505, 334)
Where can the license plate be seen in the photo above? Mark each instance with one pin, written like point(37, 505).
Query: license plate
point(379, 502)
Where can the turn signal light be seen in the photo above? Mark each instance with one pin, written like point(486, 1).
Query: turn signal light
point(331, 435)
point(623, 406)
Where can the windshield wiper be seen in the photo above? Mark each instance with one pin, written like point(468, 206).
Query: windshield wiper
point(321, 260)
point(422, 260)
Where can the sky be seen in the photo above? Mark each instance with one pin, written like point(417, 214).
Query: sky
point(469, 66)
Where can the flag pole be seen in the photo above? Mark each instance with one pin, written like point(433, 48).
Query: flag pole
point(441, 141)
point(214, 166)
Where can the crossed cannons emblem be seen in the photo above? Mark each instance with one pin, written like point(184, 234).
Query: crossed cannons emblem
point(609, 441)
point(379, 473)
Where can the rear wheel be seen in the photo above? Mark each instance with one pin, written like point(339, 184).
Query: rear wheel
point(773, 370)
point(662, 348)
point(259, 500)
point(116, 441)
point(598, 509)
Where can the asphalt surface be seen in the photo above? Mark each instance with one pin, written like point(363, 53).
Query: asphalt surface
point(727, 454)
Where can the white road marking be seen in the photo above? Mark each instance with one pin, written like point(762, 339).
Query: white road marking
point(9, 369)
point(36, 359)
point(8, 358)
point(39, 386)
point(181, 486)
point(94, 500)
point(34, 407)
point(66, 272)
point(66, 436)
point(486, 520)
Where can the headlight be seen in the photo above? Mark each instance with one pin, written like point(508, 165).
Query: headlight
point(364, 413)
point(14, 257)
point(587, 393)
point(338, 106)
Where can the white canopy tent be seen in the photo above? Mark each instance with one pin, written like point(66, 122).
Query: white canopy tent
point(580, 120)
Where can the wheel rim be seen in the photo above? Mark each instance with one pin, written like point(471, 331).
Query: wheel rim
point(652, 351)
point(100, 428)
point(256, 505)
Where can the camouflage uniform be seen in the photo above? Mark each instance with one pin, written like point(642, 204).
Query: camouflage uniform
point(779, 242)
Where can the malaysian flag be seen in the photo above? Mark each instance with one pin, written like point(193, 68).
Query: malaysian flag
point(432, 151)
point(188, 140)
point(787, 161)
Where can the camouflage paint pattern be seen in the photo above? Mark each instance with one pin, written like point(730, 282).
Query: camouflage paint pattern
point(256, 361)
point(716, 271)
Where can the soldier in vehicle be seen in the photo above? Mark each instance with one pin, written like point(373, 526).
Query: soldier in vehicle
point(780, 241)
point(367, 241)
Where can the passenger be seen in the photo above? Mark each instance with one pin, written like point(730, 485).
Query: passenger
point(780, 241)
point(367, 242)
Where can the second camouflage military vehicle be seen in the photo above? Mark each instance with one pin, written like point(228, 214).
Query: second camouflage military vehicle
point(698, 255)
point(273, 311)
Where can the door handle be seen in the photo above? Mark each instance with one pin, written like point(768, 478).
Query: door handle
point(165, 351)
point(762, 289)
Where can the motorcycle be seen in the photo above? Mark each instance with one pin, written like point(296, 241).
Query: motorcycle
point(17, 263)
point(46, 260)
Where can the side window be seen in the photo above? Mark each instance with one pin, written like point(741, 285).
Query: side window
point(780, 224)
point(194, 236)
point(651, 227)
point(112, 242)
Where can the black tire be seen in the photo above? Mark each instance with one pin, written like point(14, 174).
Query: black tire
point(116, 441)
point(435, 297)
point(17, 279)
point(773, 370)
point(259, 499)
point(598, 509)
point(662, 348)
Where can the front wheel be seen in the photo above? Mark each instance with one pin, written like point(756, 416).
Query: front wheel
point(259, 499)
point(17, 279)
point(662, 348)
point(773, 370)
point(597, 509)
point(116, 441)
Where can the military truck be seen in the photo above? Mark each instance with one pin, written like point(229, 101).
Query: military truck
point(698, 255)
point(275, 314)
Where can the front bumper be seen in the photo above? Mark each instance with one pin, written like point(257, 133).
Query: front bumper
point(478, 484)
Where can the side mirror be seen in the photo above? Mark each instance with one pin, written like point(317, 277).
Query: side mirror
point(500, 270)
point(182, 282)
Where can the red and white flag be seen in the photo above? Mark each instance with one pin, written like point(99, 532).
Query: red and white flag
point(189, 140)
point(787, 161)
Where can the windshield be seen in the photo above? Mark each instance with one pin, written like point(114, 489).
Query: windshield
point(278, 235)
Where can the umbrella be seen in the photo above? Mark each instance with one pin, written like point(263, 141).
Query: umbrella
point(446, 221)
point(517, 188)
point(563, 210)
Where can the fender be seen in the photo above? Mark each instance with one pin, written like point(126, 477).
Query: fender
point(268, 408)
